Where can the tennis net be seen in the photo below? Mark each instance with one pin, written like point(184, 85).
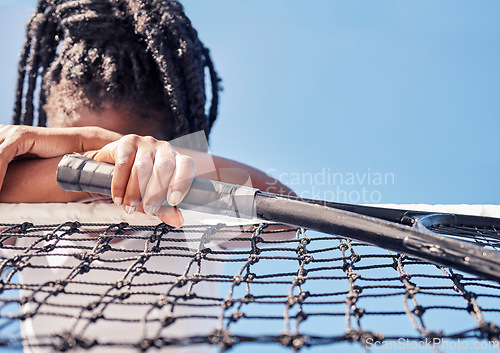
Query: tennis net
point(135, 285)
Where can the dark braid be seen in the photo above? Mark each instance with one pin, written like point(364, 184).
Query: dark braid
point(142, 51)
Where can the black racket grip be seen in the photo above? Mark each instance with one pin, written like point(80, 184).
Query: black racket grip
point(79, 173)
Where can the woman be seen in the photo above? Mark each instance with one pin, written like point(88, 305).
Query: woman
point(111, 72)
point(114, 80)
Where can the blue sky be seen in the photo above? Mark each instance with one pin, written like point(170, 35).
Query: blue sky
point(329, 95)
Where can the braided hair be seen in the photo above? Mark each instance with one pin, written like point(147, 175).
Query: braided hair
point(143, 51)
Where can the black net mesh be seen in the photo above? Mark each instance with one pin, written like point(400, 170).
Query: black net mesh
point(78, 286)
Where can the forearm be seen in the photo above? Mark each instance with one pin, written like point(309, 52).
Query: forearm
point(232, 172)
point(34, 180)
point(85, 138)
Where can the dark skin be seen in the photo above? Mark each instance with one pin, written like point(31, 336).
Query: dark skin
point(147, 170)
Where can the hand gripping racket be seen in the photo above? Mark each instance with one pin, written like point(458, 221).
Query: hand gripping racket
point(466, 243)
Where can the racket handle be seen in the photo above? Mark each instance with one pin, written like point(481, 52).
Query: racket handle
point(78, 173)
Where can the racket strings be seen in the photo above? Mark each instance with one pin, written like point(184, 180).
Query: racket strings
point(488, 237)
point(84, 285)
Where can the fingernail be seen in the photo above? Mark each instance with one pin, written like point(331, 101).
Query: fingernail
point(130, 209)
point(174, 198)
point(151, 210)
point(118, 201)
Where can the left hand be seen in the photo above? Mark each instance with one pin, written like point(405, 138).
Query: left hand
point(148, 172)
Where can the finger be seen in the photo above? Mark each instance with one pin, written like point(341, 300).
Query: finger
point(171, 216)
point(124, 161)
point(122, 154)
point(5, 159)
point(182, 179)
point(163, 170)
point(9, 149)
point(140, 174)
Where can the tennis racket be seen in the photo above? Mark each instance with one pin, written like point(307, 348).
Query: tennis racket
point(467, 243)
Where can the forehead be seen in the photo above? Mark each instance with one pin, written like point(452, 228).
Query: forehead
point(112, 118)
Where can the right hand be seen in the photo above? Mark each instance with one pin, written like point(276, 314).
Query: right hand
point(41, 142)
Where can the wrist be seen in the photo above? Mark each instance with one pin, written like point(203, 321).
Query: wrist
point(93, 137)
